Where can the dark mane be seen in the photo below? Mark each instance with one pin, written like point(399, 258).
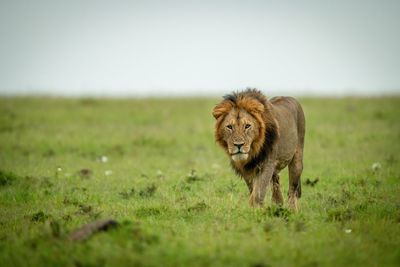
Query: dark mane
point(249, 92)
point(231, 97)
point(270, 138)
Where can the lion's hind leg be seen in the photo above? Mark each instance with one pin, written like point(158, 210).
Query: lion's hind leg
point(295, 170)
point(276, 196)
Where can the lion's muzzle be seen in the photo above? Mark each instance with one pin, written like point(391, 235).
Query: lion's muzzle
point(239, 151)
point(237, 147)
point(239, 156)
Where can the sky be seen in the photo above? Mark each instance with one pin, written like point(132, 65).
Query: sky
point(142, 48)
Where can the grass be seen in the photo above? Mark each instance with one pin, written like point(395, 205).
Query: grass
point(176, 199)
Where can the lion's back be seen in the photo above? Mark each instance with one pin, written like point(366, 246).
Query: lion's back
point(291, 107)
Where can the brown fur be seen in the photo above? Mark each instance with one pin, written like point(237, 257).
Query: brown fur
point(261, 138)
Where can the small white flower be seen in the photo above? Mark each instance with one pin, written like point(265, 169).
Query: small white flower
point(108, 172)
point(159, 172)
point(104, 159)
point(59, 169)
point(376, 166)
point(347, 231)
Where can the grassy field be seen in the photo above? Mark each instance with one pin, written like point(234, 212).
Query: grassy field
point(153, 165)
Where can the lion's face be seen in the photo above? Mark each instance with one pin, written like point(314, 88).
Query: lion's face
point(240, 127)
point(238, 130)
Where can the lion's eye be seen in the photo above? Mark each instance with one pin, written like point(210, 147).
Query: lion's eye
point(247, 126)
point(229, 127)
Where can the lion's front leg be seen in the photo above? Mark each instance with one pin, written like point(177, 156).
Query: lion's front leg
point(260, 186)
point(259, 191)
point(249, 184)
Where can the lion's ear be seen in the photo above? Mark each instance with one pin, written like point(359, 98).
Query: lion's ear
point(217, 112)
point(221, 109)
point(258, 106)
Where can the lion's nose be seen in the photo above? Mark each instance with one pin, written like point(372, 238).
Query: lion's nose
point(239, 144)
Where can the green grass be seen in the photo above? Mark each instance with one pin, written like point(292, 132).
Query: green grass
point(174, 194)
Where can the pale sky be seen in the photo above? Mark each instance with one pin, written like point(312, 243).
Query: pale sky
point(142, 48)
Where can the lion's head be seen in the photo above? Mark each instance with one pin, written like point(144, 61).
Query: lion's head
point(244, 121)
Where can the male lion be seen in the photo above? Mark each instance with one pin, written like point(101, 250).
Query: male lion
point(261, 138)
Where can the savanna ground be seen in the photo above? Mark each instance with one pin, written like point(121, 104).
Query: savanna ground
point(153, 165)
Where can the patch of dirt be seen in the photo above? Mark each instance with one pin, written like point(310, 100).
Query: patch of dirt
point(89, 229)
point(39, 216)
point(148, 191)
point(198, 207)
point(311, 183)
point(7, 178)
point(85, 173)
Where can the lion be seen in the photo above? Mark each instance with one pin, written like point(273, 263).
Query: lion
point(262, 137)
